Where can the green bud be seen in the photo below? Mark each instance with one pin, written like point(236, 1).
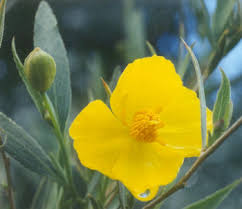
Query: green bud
point(40, 69)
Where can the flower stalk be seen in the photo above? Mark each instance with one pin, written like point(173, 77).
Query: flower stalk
point(49, 107)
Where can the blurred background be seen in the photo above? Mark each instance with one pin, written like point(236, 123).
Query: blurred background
point(100, 36)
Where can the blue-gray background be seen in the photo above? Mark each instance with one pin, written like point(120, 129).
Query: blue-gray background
point(93, 31)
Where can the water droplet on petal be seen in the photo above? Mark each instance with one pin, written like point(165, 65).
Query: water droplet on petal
point(145, 194)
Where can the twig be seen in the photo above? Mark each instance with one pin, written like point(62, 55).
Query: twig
point(9, 182)
point(197, 163)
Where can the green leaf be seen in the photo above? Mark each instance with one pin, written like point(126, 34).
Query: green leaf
point(94, 182)
point(203, 107)
point(35, 95)
point(221, 16)
point(90, 95)
point(203, 19)
point(183, 65)
point(25, 149)
point(206, 20)
point(122, 195)
point(115, 77)
point(2, 18)
point(95, 84)
point(79, 183)
point(214, 200)
point(39, 195)
point(134, 31)
point(222, 106)
point(48, 38)
point(222, 110)
point(95, 203)
point(228, 114)
point(47, 196)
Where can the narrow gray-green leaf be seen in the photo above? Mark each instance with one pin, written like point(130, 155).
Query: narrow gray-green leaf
point(79, 183)
point(115, 77)
point(48, 38)
point(95, 203)
point(25, 149)
point(203, 107)
point(122, 195)
point(183, 65)
point(90, 95)
point(222, 105)
point(36, 96)
point(46, 196)
point(39, 195)
point(134, 31)
point(222, 110)
point(2, 19)
point(52, 195)
point(206, 21)
point(95, 68)
point(228, 114)
point(221, 15)
point(94, 182)
point(214, 200)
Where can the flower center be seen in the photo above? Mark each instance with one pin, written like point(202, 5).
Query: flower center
point(144, 126)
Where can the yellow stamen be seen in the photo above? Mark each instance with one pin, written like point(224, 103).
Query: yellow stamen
point(145, 125)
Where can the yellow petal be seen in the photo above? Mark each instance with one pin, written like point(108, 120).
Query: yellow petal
point(98, 137)
point(182, 124)
point(146, 83)
point(146, 166)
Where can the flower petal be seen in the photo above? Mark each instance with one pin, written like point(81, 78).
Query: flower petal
point(182, 129)
point(146, 83)
point(146, 166)
point(98, 137)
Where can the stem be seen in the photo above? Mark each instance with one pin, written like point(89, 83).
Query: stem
point(52, 116)
point(9, 181)
point(197, 163)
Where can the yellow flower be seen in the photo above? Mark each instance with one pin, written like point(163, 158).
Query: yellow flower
point(153, 124)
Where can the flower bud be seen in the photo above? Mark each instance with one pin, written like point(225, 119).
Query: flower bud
point(40, 69)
